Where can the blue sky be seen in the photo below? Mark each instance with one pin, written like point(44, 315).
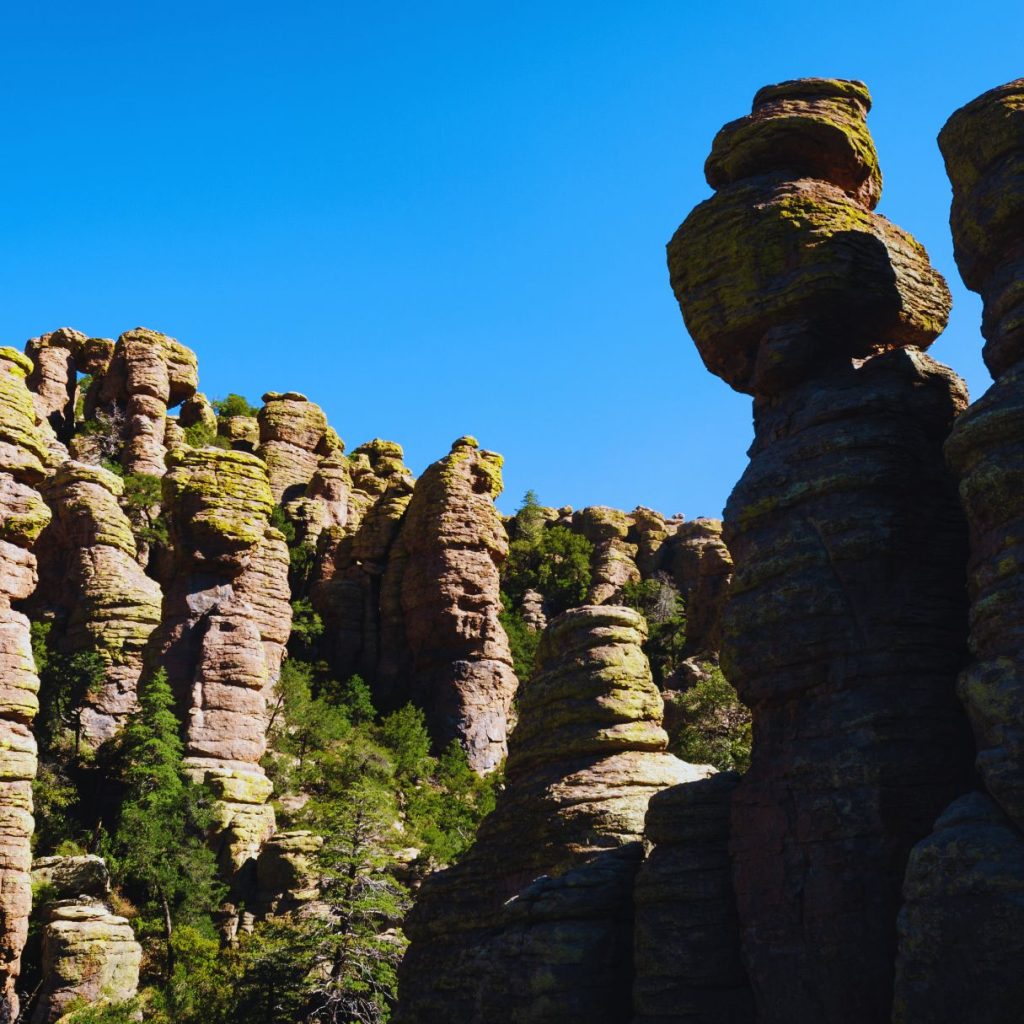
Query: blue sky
point(446, 218)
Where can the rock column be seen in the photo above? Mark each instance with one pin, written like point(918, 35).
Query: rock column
point(534, 924)
point(845, 625)
point(23, 516)
point(962, 928)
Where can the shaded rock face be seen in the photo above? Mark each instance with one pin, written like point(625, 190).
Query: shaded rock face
point(91, 578)
point(541, 930)
point(226, 618)
point(701, 569)
point(845, 623)
point(286, 879)
point(148, 373)
point(23, 517)
point(961, 935)
point(444, 571)
point(54, 376)
point(89, 954)
point(686, 933)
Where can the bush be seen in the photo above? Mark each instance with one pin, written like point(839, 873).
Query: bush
point(716, 725)
point(660, 604)
point(233, 405)
point(142, 504)
point(522, 640)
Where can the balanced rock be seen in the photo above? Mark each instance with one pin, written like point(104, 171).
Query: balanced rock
point(613, 563)
point(961, 940)
point(23, 517)
point(292, 433)
point(541, 930)
point(226, 618)
point(92, 580)
point(845, 623)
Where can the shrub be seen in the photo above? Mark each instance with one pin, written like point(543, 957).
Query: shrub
point(233, 405)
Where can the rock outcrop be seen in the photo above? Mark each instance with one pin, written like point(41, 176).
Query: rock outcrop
point(23, 517)
point(444, 571)
point(541, 930)
point(845, 624)
point(91, 579)
point(147, 374)
point(225, 620)
point(293, 435)
point(962, 928)
point(89, 954)
point(613, 563)
point(701, 568)
point(686, 933)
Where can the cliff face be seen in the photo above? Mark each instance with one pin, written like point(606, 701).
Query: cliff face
point(845, 623)
point(962, 929)
point(221, 639)
point(23, 516)
point(542, 930)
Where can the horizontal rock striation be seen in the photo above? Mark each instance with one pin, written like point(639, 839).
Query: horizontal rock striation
point(23, 517)
point(845, 622)
point(293, 434)
point(962, 926)
point(541, 930)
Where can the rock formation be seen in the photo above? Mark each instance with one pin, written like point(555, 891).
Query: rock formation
point(614, 560)
point(962, 928)
point(701, 568)
point(148, 373)
point(91, 578)
point(686, 934)
point(845, 623)
point(89, 954)
point(293, 435)
point(535, 923)
point(444, 572)
point(225, 620)
point(23, 516)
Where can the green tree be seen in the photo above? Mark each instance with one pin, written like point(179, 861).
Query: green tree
point(660, 604)
point(405, 735)
point(522, 639)
point(715, 725)
point(233, 405)
point(158, 852)
point(142, 502)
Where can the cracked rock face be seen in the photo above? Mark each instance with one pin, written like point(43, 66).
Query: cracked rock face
point(92, 579)
point(444, 572)
point(845, 622)
point(542, 930)
point(23, 517)
point(226, 619)
point(961, 934)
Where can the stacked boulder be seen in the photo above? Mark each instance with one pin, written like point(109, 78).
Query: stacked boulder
point(846, 621)
point(23, 517)
point(442, 576)
point(535, 924)
point(89, 954)
point(293, 435)
point(91, 579)
point(962, 927)
point(148, 373)
point(613, 563)
point(226, 618)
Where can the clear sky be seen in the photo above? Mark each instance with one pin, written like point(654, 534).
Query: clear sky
point(446, 218)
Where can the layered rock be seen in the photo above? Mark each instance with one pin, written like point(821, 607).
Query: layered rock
point(89, 954)
point(226, 617)
point(686, 933)
point(701, 568)
point(443, 571)
point(91, 579)
point(148, 373)
point(292, 437)
point(541, 930)
point(961, 935)
point(54, 378)
point(845, 623)
point(23, 516)
point(613, 563)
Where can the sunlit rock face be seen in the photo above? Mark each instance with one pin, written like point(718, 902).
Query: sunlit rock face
point(962, 927)
point(535, 923)
point(23, 517)
point(226, 618)
point(845, 624)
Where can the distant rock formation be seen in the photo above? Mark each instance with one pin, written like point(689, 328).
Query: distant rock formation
point(845, 623)
point(686, 933)
point(89, 954)
point(293, 434)
point(444, 571)
point(91, 579)
point(23, 517)
point(226, 618)
point(962, 928)
point(535, 923)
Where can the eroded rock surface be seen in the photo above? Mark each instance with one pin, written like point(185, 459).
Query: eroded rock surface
point(23, 516)
point(226, 618)
point(845, 623)
point(541, 930)
point(292, 433)
point(961, 935)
